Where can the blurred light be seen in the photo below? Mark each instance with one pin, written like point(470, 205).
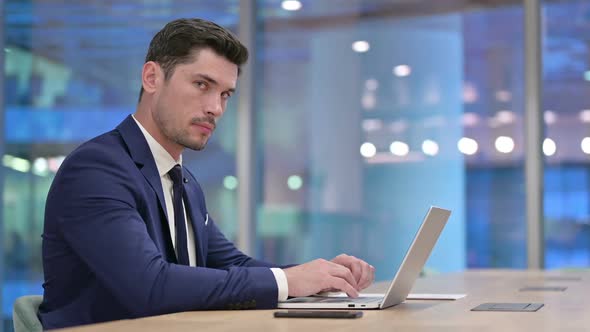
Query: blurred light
point(40, 166)
point(399, 148)
point(368, 101)
point(470, 95)
point(549, 147)
point(587, 75)
point(470, 119)
point(371, 84)
point(585, 116)
point(550, 117)
point(503, 95)
point(7, 160)
point(467, 146)
point(368, 150)
point(504, 144)
point(17, 164)
point(20, 164)
point(230, 182)
point(294, 182)
point(586, 145)
point(430, 147)
point(55, 163)
point(7, 50)
point(361, 46)
point(402, 70)
point(291, 5)
point(372, 124)
point(505, 117)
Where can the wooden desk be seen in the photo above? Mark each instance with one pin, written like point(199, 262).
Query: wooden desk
point(563, 311)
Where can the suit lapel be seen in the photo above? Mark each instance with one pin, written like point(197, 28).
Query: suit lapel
point(141, 154)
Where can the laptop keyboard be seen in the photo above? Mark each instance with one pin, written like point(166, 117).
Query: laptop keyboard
point(317, 299)
point(359, 299)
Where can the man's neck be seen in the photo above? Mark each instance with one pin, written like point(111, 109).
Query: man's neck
point(144, 116)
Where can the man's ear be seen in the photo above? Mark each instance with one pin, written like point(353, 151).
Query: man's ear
point(151, 76)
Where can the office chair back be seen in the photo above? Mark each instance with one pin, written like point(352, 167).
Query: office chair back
point(24, 314)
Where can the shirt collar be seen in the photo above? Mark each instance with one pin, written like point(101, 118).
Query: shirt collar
point(164, 161)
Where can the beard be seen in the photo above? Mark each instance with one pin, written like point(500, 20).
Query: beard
point(183, 138)
point(180, 135)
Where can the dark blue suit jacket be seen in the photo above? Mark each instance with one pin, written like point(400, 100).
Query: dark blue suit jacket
point(107, 252)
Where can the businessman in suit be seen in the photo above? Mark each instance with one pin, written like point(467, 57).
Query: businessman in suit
point(127, 233)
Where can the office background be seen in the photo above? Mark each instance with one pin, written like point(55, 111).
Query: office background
point(364, 113)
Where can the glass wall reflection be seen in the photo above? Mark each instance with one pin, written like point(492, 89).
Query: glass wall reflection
point(493, 144)
point(378, 115)
point(566, 147)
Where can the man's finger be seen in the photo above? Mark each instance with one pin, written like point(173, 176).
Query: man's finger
point(343, 272)
point(344, 286)
point(357, 271)
point(366, 276)
point(352, 263)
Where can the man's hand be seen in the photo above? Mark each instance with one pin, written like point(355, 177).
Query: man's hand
point(320, 274)
point(363, 272)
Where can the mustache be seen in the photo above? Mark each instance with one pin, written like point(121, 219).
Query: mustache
point(208, 119)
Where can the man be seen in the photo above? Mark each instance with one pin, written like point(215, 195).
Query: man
point(127, 233)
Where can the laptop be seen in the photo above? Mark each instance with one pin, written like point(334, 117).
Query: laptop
point(404, 279)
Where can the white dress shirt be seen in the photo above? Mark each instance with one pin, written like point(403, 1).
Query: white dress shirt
point(164, 163)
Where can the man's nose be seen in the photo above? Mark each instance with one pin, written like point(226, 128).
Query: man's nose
point(214, 107)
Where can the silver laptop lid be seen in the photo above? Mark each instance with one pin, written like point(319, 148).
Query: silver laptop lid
point(416, 256)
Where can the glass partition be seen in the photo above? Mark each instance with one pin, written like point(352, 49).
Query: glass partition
point(367, 116)
point(566, 147)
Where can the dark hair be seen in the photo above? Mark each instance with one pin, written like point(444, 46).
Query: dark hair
point(175, 43)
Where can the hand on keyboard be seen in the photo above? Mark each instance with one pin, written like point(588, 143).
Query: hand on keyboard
point(331, 294)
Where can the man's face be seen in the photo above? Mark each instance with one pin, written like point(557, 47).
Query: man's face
point(191, 101)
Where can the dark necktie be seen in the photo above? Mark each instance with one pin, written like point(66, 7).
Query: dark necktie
point(179, 220)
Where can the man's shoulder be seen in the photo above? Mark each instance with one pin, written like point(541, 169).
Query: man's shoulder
point(113, 142)
point(109, 143)
point(98, 163)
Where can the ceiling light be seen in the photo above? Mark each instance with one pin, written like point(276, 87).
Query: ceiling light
point(549, 147)
point(504, 144)
point(230, 182)
point(467, 146)
point(361, 46)
point(505, 117)
point(291, 5)
point(430, 147)
point(368, 150)
point(550, 117)
point(470, 95)
point(402, 70)
point(470, 119)
point(586, 145)
point(294, 182)
point(399, 148)
point(585, 116)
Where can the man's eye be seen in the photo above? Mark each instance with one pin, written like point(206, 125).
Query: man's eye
point(202, 85)
point(225, 95)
